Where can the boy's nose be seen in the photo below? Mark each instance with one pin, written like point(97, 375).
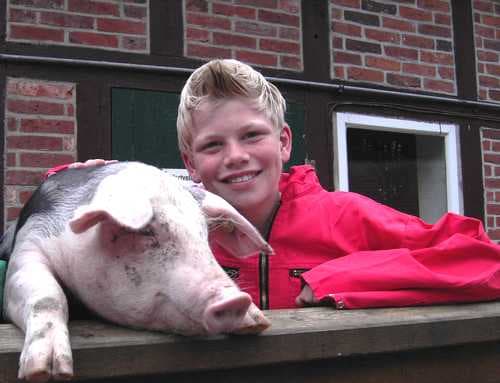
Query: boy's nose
point(235, 155)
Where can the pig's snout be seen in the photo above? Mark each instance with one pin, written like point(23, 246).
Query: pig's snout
point(227, 314)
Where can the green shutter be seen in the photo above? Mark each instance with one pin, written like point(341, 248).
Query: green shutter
point(295, 118)
point(144, 127)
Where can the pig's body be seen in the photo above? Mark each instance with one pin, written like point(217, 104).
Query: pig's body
point(131, 243)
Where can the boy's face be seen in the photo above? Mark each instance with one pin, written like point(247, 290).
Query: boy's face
point(238, 154)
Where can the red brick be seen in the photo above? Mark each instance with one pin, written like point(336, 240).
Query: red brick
point(483, 31)
point(484, 6)
point(13, 213)
point(197, 34)
point(47, 126)
point(397, 24)
point(22, 16)
point(436, 58)
point(12, 124)
point(493, 69)
point(434, 30)
point(487, 56)
point(70, 110)
point(121, 26)
point(418, 41)
point(35, 107)
point(25, 32)
point(279, 46)
point(290, 6)
point(419, 69)
point(34, 142)
point(196, 6)
point(492, 134)
point(362, 74)
point(291, 62)
point(134, 12)
point(94, 7)
point(439, 86)
point(348, 3)
point(339, 72)
point(208, 22)
point(278, 18)
point(257, 58)
point(403, 81)
point(447, 73)
point(493, 209)
point(442, 19)
point(133, 43)
point(486, 144)
point(231, 10)
point(257, 29)
point(44, 160)
point(338, 43)
point(273, 4)
point(493, 21)
point(382, 63)
point(494, 94)
point(51, 4)
point(401, 53)
point(496, 147)
point(23, 177)
point(31, 88)
point(11, 159)
point(93, 39)
point(493, 183)
point(415, 14)
point(347, 58)
point(382, 36)
point(346, 29)
point(289, 33)
point(194, 50)
point(434, 5)
point(25, 195)
point(66, 20)
point(227, 39)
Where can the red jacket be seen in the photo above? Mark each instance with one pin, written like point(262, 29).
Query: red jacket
point(357, 253)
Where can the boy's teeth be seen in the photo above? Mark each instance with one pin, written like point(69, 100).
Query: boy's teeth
point(241, 179)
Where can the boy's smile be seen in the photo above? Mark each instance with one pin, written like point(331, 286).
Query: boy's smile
point(238, 154)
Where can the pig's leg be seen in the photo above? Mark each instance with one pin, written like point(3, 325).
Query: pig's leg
point(36, 303)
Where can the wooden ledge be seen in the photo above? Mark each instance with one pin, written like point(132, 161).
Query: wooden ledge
point(301, 335)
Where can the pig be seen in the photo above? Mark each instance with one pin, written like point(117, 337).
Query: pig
point(131, 243)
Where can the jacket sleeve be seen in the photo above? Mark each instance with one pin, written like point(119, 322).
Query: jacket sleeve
point(399, 260)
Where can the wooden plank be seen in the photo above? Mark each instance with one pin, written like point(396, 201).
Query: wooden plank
point(297, 336)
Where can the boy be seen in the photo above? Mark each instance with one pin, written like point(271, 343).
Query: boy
point(336, 248)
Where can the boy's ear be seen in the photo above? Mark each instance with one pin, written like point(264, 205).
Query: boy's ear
point(188, 163)
point(286, 143)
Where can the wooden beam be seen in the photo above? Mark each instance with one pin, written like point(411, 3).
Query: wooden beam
point(296, 337)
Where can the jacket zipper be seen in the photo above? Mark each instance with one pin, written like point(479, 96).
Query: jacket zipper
point(264, 281)
point(264, 264)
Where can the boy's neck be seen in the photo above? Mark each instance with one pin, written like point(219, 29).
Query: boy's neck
point(264, 223)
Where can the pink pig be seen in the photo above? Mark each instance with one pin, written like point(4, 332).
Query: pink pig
point(131, 243)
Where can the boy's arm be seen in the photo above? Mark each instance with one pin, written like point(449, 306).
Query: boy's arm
point(92, 162)
point(450, 261)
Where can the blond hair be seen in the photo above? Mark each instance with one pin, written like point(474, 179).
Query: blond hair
point(219, 79)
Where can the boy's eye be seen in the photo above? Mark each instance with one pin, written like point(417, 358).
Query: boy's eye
point(211, 145)
point(252, 135)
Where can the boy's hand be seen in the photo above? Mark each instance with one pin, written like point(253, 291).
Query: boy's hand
point(306, 297)
point(88, 163)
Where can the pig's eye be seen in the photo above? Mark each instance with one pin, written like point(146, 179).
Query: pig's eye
point(147, 231)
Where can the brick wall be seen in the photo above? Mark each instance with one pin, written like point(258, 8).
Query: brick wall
point(487, 39)
point(266, 33)
point(40, 132)
point(104, 24)
point(404, 44)
point(491, 174)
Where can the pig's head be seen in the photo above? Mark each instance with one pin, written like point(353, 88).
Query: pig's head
point(149, 263)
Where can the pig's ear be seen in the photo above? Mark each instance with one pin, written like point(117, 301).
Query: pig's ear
point(229, 228)
point(126, 207)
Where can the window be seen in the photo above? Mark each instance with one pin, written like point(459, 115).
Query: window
point(410, 165)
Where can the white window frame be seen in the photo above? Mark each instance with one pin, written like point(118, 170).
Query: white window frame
point(343, 121)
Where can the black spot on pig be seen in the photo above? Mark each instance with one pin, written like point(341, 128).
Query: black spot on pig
point(133, 275)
